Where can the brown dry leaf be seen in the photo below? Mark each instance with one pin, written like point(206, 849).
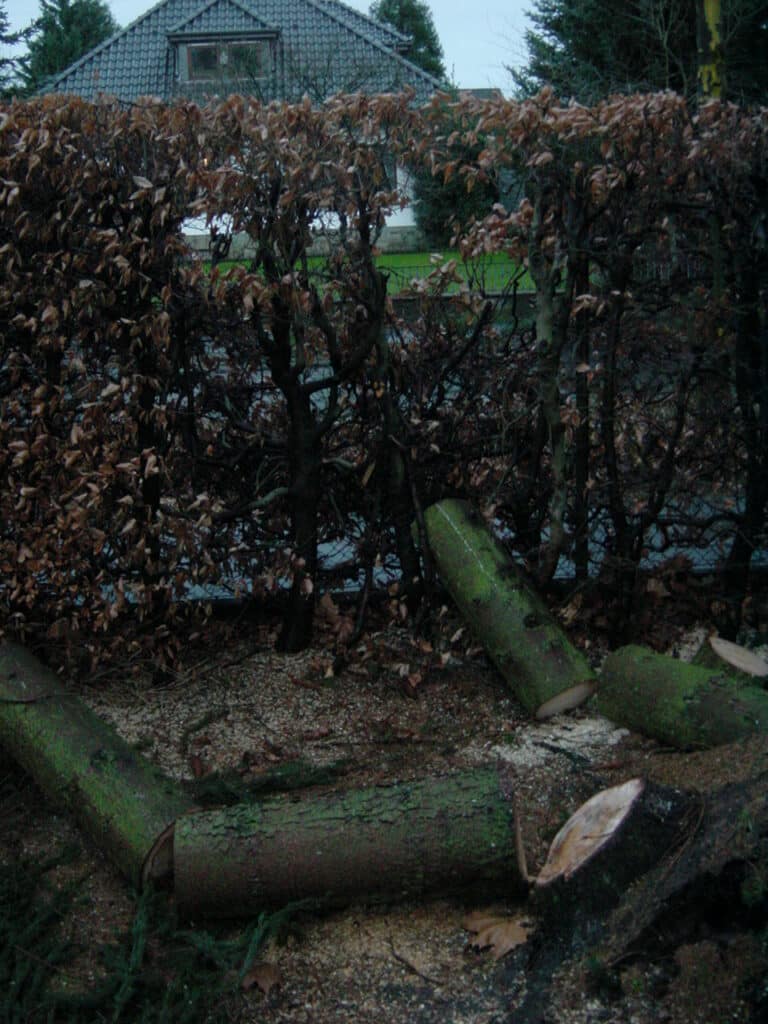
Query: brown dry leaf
point(317, 734)
point(570, 612)
point(499, 933)
point(265, 976)
point(327, 608)
point(410, 684)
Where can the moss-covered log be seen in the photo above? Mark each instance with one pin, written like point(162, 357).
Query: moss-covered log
point(82, 765)
point(544, 670)
point(392, 842)
point(687, 706)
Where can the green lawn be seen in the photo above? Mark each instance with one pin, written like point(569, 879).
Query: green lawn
point(494, 270)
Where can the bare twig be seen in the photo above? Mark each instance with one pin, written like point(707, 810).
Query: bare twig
point(522, 861)
point(410, 965)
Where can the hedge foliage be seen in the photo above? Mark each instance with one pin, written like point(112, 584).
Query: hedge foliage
point(169, 432)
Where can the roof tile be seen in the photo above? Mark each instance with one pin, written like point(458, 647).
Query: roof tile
point(324, 47)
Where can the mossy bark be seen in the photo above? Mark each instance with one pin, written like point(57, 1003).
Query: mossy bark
point(82, 765)
point(387, 842)
point(544, 670)
point(687, 706)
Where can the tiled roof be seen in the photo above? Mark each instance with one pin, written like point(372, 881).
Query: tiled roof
point(324, 46)
point(219, 16)
point(382, 32)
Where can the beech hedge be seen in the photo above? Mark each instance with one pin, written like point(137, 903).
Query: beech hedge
point(170, 431)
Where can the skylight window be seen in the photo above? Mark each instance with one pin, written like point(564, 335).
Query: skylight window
point(212, 61)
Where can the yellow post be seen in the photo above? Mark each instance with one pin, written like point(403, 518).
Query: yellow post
point(711, 71)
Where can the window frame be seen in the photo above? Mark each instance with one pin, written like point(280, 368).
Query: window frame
point(264, 45)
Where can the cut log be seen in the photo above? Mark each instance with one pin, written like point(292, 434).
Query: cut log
point(611, 840)
point(589, 831)
point(734, 659)
point(687, 706)
point(669, 859)
point(83, 766)
point(388, 842)
point(718, 870)
point(545, 671)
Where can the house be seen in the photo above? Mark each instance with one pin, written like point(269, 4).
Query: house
point(275, 49)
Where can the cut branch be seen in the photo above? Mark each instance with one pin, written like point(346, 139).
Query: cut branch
point(82, 765)
point(546, 673)
point(684, 705)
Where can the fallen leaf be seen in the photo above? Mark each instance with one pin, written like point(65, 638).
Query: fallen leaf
point(570, 612)
point(327, 608)
point(265, 976)
point(305, 684)
point(495, 932)
point(409, 684)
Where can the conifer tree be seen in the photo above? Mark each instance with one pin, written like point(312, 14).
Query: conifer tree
point(587, 49)
point(414, 18)
point(64, 31)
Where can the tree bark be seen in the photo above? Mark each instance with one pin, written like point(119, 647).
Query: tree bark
point(687, 706)
point(82, 765)
point(610, 841)
point(552, 313)
point(582, 434)
point(750, 368)
point(676, 858)
point(305, 459)
point(392, 842)
point(544, 670)
point(722, 854)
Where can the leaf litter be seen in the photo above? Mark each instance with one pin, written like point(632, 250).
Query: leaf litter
point(498, 933)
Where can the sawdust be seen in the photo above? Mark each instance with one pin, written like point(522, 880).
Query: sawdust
point(249, 709)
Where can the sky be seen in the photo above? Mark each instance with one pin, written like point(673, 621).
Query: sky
point(478, 38)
